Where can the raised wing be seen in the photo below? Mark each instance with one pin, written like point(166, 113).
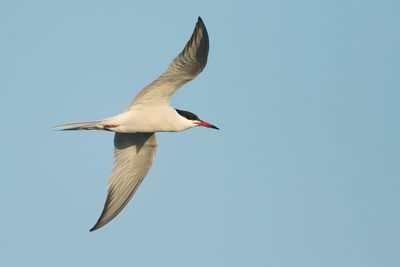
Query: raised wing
point(185, 67)
point(134, 153)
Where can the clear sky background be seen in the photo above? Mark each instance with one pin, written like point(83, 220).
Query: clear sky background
point(304, 172)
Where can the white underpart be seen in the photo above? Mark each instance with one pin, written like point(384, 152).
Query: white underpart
point(144, 119)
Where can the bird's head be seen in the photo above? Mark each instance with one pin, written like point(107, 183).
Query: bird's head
point(194, 120)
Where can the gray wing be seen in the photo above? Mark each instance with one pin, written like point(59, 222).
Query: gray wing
point(134, 153)
point(185, 67)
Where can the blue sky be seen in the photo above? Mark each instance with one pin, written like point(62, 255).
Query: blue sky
point(304, 172)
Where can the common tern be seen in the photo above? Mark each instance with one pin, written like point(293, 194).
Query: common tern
point(150, 112)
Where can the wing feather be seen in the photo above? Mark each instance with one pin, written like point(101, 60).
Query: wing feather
point(185, 67)
point(134, 153)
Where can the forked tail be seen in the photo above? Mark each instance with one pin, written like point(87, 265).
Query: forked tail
point(92, 125)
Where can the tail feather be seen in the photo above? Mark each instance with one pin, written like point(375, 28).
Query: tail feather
point(92, 125)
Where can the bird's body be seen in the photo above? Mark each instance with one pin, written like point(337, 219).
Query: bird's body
point(150, 112)
point(140, 119)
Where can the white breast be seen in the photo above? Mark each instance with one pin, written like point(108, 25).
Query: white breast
point(146, 119)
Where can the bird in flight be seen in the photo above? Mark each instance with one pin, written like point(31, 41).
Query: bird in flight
point(149, 112)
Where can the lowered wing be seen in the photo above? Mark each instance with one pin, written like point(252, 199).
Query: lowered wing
point(134, 153)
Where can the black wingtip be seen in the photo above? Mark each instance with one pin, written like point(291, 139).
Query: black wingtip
point(199, 20)
point(96, 226)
